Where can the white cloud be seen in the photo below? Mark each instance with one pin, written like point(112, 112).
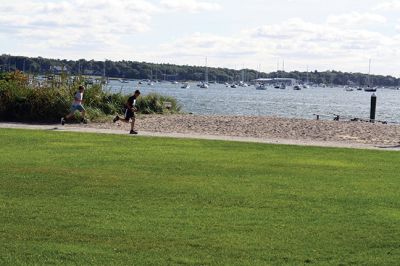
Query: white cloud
point(190, 5)
point(85, 26)
point(393, 5)
point(201, 45)
point(74, 22)
point(113, 29)
point(356, 19)
point(300, 43)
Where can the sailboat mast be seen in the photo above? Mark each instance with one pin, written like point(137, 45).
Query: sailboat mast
point(206, 73)
point(308, 78)
point(369, 73)
point(104, 69)
point(277, 69)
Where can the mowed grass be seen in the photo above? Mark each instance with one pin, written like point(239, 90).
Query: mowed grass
point(70, 198)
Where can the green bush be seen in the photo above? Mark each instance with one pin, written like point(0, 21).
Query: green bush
point(153, 103)
point(22, 102)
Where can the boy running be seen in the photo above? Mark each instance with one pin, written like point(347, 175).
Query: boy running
point(76, 106)
point(130, 112)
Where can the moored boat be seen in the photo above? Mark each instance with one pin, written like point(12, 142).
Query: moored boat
point(185, 86)
point(261, 87)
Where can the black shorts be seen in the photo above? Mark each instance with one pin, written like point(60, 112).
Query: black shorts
point(129, 114)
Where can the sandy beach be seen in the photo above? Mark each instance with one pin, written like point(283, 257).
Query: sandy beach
point(261, 129)
point(265, 128)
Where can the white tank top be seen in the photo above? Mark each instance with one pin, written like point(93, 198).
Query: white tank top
point(78, 98)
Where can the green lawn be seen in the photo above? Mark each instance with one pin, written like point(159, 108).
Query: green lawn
point(70, 198)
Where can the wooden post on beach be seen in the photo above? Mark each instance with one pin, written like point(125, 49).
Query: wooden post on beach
point(373, 108)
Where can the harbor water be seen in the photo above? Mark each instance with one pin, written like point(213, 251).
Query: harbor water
point(219, 99)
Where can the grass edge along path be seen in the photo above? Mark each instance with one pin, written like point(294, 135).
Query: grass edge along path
point(192, 135)
point(105, 199)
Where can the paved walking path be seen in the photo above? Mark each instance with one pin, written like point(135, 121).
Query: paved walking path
point(88, 129)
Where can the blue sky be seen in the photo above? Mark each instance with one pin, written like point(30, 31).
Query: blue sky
point(323, 35)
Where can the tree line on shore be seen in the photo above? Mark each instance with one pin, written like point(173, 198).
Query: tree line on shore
point(170, 72)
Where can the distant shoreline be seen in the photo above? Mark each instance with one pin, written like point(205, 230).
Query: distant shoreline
point(172, 72)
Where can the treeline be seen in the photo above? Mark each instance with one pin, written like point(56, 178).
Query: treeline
point(143, 70)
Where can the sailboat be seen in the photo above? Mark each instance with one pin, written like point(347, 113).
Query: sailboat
point(306, 85)
point(150, 82)
point(204, 85)
point(104, 79)
point(185, 85)
point(175, 82)
point(296, 87)
point(369, 88)
point(243, 83)
point(261, 87)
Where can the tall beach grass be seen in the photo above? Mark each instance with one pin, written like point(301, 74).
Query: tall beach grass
point(24, 101)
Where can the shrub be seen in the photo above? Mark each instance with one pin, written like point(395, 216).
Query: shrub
point(153, 103)
point(22, 102)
